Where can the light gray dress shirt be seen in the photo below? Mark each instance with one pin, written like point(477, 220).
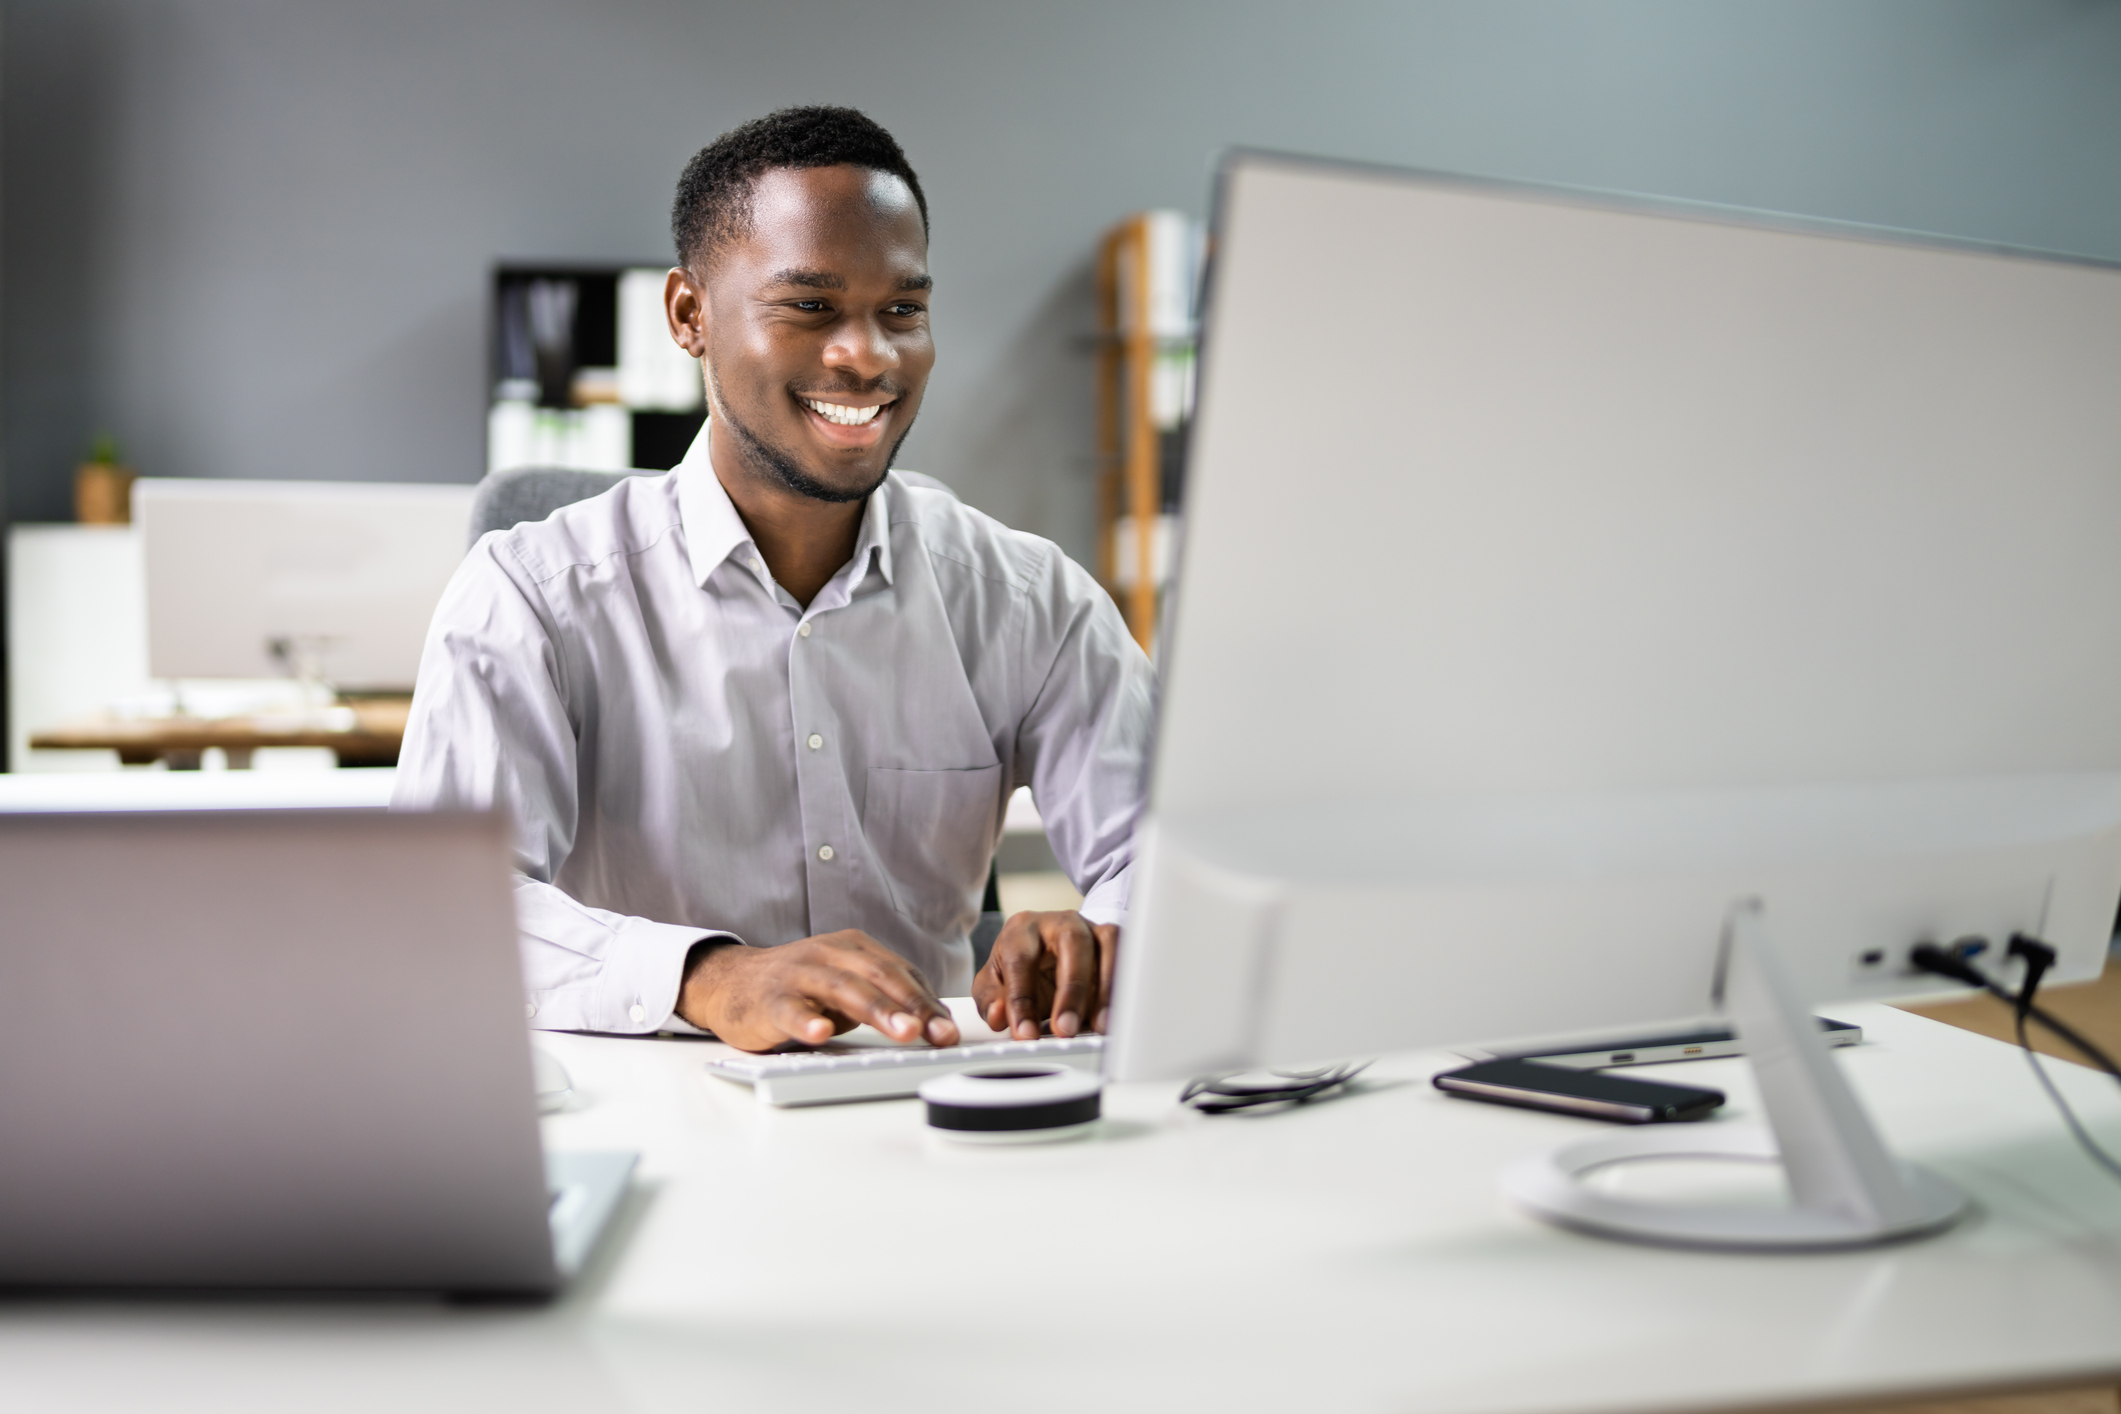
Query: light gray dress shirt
point(687, 752)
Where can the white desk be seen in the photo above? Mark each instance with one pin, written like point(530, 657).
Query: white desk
point(1351, 1257)
point(366, 788)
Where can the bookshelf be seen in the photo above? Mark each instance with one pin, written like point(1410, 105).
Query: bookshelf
point(582, 372)
point(1147, 272)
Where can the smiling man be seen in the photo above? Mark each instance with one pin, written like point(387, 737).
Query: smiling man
point(755, 720)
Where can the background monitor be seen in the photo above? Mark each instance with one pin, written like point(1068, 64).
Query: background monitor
point(348, 573)
point(1560, 570)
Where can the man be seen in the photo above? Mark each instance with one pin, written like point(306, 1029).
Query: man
point(755, 721)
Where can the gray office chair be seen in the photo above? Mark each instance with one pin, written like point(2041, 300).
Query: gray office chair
point(508, 498)
point(505, 499)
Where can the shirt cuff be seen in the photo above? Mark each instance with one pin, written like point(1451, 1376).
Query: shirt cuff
point(637, 988)
point(1107, 902)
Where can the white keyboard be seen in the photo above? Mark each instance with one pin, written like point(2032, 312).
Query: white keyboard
point(881, 1072)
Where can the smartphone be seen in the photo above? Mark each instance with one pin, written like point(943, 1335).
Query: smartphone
point(1590, 1093)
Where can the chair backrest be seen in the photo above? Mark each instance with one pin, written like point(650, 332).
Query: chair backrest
point(508, 498)
point(504, 499)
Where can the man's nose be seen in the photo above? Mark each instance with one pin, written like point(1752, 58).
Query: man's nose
point(863, 348)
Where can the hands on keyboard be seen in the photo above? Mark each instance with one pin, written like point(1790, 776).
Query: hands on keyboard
point(864, 1065)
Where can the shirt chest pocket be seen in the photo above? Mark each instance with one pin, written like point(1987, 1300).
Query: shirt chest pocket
point(932, 833)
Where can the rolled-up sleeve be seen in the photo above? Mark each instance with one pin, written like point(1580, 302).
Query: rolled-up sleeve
point(491, 728)
point(1084, 736)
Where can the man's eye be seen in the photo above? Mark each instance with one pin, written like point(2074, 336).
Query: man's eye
point(905, 311)
point(810, 306)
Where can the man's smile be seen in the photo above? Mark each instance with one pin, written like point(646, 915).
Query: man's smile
point(845, 414)
point(848, 423)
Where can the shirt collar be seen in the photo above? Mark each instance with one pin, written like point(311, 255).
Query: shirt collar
point(714, 531)
point(875, 534)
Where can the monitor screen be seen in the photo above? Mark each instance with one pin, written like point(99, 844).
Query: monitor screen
point(250, 579)
point(1547, 554)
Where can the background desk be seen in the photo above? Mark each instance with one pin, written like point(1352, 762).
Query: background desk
point(371, 735)
point(1351, 1257)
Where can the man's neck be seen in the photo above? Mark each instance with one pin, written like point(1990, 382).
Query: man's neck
point(804, 541)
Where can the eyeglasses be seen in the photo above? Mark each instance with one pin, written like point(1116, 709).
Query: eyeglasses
point(1251, 1090)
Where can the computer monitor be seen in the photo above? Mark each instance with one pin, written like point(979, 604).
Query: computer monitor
point(251, 579)
point(1579, 593)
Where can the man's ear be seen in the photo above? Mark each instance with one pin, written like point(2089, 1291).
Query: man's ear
point(685, 306)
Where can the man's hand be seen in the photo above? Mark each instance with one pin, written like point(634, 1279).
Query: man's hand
point(1048, 966)
point(810, 990)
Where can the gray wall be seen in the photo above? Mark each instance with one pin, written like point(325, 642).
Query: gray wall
point(251, 236)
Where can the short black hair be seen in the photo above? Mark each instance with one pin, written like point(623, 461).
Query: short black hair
point(714, 194)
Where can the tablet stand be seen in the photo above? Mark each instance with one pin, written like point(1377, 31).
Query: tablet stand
point(1846, 1190)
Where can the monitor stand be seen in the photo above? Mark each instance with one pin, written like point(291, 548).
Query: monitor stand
point(1845, 1189)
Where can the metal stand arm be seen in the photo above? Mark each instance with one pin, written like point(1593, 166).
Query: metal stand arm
point(1846, 1190)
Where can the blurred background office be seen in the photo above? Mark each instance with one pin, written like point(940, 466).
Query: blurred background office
point(253, 240)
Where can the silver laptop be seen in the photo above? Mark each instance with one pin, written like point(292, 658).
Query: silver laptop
point(274, 1049)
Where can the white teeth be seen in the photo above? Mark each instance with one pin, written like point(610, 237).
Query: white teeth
point(844, 416)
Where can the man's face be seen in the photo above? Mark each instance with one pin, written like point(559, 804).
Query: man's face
point(814, 329)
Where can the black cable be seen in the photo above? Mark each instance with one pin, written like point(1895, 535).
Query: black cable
point(2084, 1140)
point(1928, 957)
point(2038, 958)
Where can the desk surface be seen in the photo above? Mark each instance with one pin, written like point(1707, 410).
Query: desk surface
point(1354, 1256)
point(368, 789)
point(365, 732)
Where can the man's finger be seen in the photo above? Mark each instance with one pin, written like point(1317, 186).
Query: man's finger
point(858, 999)
point(799, 1018)
point(900, 982)
point(1024, 983)
point(863, 956)
point(989, 993)
point(905, 987)
point(996, 1010)
point(1074, 951)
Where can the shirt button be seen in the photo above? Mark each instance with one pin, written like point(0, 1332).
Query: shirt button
point(802, 630)
point(824, 852)
point(530, 1009)
point(639, 1013)
point(816, 741)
